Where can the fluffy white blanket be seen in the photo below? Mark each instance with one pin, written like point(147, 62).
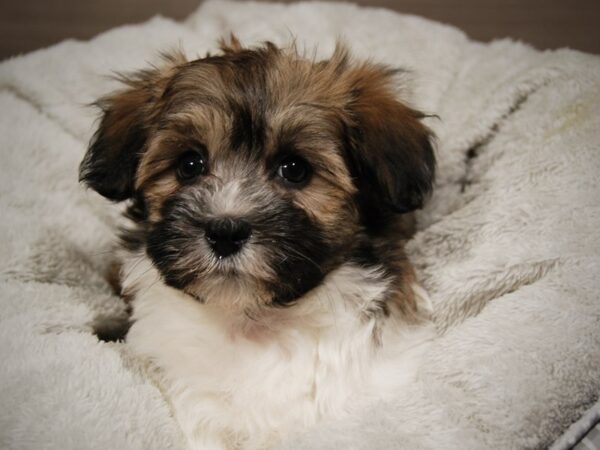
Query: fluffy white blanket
point(509, 246)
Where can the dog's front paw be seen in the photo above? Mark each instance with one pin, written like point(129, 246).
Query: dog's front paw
point(111, 329)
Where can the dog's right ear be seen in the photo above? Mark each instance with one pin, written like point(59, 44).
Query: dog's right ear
point(111, 162)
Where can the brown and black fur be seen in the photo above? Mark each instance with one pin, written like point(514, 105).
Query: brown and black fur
point(244, 110)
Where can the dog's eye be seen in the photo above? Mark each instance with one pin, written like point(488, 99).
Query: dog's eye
point(294, 170)
point(190, 165)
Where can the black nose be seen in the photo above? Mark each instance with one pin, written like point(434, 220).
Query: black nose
point(227, 236)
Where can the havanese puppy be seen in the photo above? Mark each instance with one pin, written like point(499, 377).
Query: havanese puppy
point(268, 198)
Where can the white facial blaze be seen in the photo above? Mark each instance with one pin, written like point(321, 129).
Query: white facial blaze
point(237, 190)
point(227, 200)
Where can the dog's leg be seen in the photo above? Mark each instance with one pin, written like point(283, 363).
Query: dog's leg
point(114, 327)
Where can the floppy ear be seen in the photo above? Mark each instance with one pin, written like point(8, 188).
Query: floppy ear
point(111, 161)
point(390, 149)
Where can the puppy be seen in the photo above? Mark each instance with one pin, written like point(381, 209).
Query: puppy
point(268, 198)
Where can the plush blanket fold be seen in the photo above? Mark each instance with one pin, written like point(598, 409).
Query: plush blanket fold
point(508, 247)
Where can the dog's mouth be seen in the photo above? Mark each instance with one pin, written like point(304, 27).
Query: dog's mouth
point(226, 282)
point(230, 266)
point(248, 263)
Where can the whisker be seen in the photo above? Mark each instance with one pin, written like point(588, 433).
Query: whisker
point(302, 256)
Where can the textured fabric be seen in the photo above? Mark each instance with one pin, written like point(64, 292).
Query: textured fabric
point(508, 247)
point(591, 440)
point(583, 434)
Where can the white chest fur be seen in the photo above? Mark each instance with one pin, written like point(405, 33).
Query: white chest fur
point(234, 388)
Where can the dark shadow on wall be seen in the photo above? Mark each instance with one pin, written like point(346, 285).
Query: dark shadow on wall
point(26, 25)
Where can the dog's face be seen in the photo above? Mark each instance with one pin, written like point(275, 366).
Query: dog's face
point(258, 171)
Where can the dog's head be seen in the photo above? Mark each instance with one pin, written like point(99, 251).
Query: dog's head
point(259, 171)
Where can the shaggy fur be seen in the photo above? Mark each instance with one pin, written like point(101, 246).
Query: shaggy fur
point(266, 192)
point(510, 261)
point(245, 112)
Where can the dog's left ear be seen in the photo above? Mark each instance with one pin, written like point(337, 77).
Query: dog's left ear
point(390, 149)
point(111, 162)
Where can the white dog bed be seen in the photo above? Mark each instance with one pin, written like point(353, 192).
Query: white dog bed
point(508, 247)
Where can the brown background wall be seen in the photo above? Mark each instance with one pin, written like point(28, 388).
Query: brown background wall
point(29, 24)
